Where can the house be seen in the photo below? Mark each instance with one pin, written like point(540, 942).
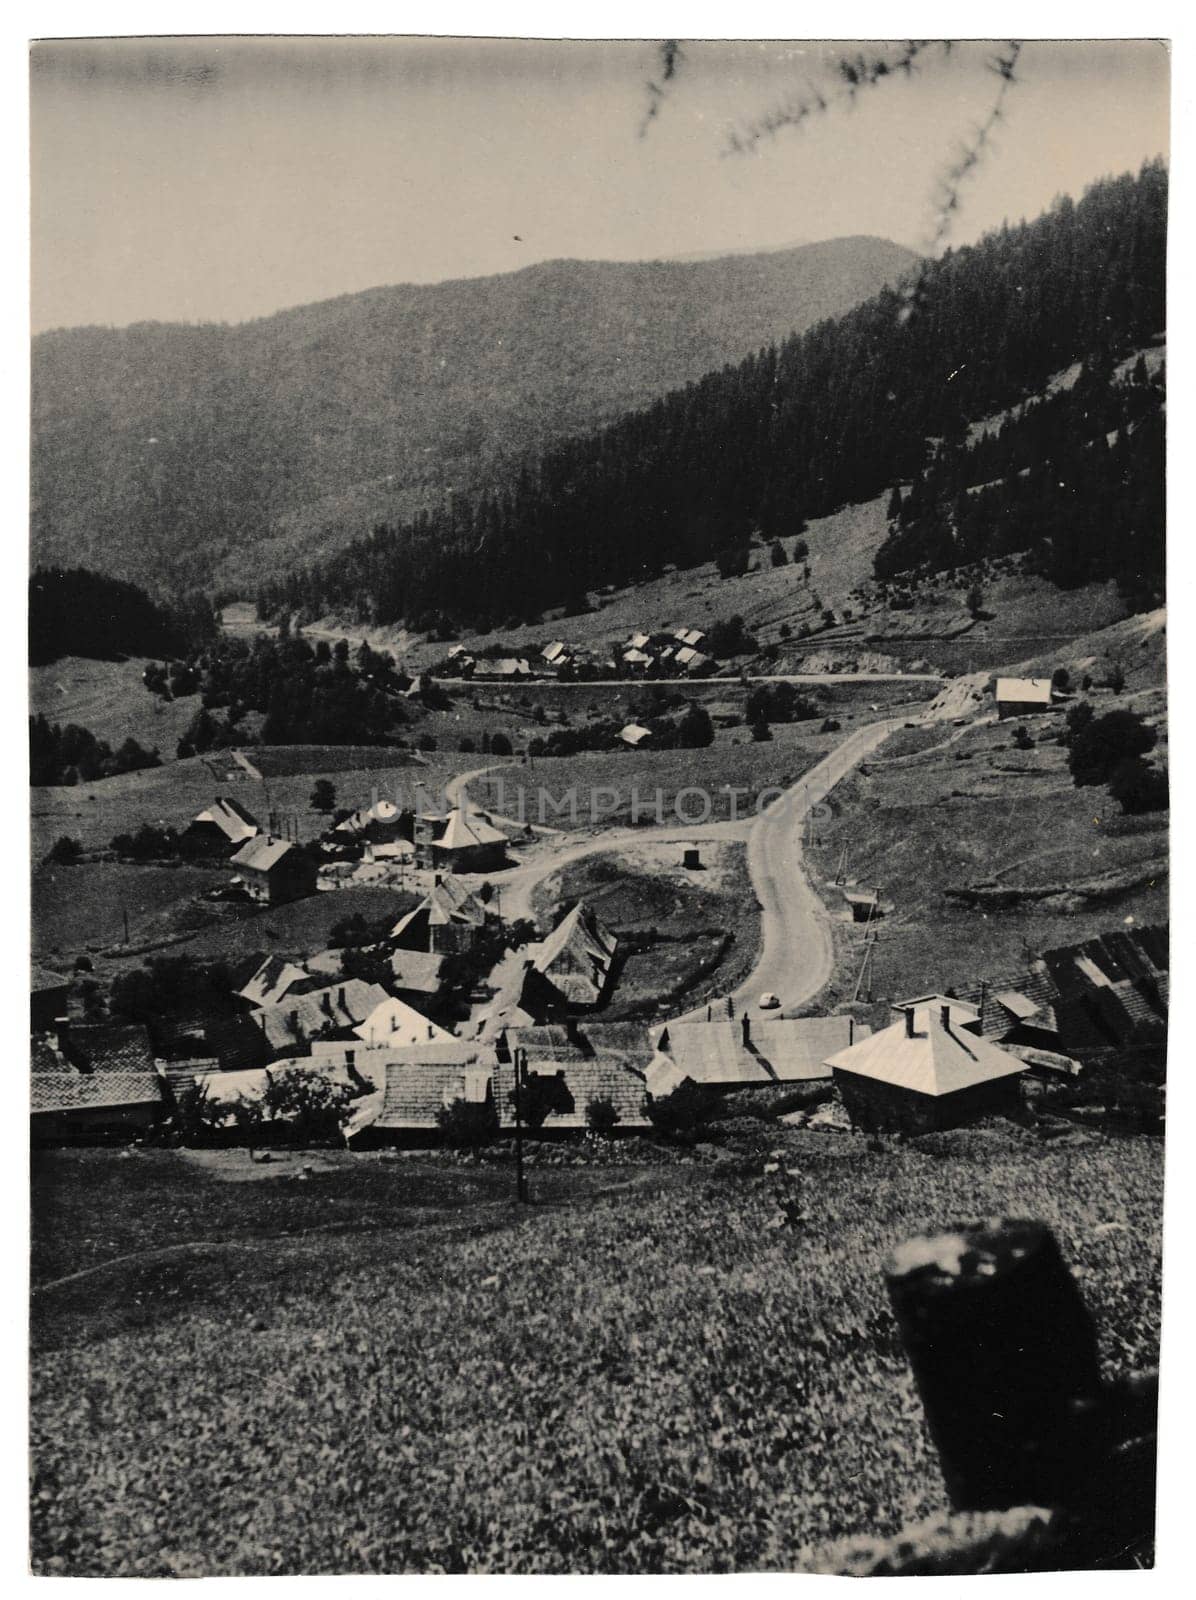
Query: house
point(638, 641)
point(69, 1105)
point(380, 823)
point(634, 735)
point(555, 653)
point(290, 1027)
point(699, 663)
point(524, 997)
point(1018, 697)
point(735, 1054)
point(393, 1022)
point(416, 972)
point(417, 1084)
point(468, 843)
point(577, 956)
point(108, 1047)
point(503, 667)
point(568, 1066)
point(924, 1072)
point(692, 637)
point(275, 871)
point(49, 993)
point(222, 826)
point(273, 980)
point(446, 920)
point(635, 657)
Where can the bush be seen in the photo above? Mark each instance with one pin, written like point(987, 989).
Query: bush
point(1101, 746)
point(680, 1115)
point(323, 796)
point(149, 843)
point(733, 561)
point(602, 1115)
point(315, 1108)
point(64, 852)
point(468, 1124)
point(500, 745)
point(1139, 787)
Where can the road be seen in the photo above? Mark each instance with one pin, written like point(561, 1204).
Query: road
point(796, 948)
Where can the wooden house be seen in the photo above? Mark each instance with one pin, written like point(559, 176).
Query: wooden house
point(275, 871)
point(1019, 697)
point(223, 826)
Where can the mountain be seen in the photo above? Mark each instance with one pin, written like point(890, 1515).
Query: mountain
point(835, 416)
point(181, 456)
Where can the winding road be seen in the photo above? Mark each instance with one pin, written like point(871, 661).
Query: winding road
point(796, 948)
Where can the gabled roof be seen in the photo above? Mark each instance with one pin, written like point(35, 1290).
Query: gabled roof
point(43, 981)
point(416, 971)
point(383, 813)
point(568, 1088)
point(637, 641)
point(446, 902)
point(963, 1012)
point(1031, 691)
point(423, 1080)
point(933, 1060)
point(78, 1091)
point(262, 853)
point(304, 1016)
point(109, 1047)
point(558, 1043)
point(463, 831)
point(634, 734)
point(394, 1022)
point(524, 997)
point(231, 817)
point(1018, 1005)
point(553, 651)
point(776, 1050)
point(636, 656)
point(272, 981)
point(577, 955)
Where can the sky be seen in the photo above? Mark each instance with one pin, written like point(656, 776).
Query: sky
point(219, 179)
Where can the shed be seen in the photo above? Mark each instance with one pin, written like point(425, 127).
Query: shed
point(1023, 696)
point(916, 1076)
point(864, 904)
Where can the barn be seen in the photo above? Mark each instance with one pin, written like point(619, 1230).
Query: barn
point(1020, 697)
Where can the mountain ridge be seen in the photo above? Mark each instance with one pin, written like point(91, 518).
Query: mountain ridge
point(167, 452)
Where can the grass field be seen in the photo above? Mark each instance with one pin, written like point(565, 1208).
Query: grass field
point(974, 811)
point(637, 1373)
point(689, 914)
point(82, 908)
point(110, 699)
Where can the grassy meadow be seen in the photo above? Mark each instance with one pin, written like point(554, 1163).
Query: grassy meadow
point(638, 1372)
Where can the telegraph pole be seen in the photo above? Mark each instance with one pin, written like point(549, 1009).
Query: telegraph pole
point(520, 1060)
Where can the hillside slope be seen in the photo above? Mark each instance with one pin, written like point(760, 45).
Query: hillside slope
point(169, 453)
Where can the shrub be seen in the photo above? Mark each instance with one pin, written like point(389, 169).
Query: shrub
point(468, 747)
point(316, 1108)
point(679, 1115)
point(323, 796)
point(733, 561)
point(1101, 747)
point(1115, 678)
point(468, 1124)
point(425, 742)
point(64, 852)
point(1061, 679)
point(602, 1115)
point(149, 843)
point(500, 745)
point(1022, 739)
point(777, 554)
point(1139, 787)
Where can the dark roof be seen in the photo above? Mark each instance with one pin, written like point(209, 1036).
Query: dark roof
point(237, 1042)
point(109, 1047)
point(79, 1091)
point(43, 1057)
point(626, 1043)
point(577, 956)
point(301, 1017)
point(571, 1086)
point(426, 1080)
point(416, 971)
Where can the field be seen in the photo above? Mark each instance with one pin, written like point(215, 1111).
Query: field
point(960, 809)
point(637, 1373)
point(704, 925)
point(110, 699)
point(636, 783)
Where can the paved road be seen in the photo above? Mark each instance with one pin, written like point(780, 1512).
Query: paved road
point(797, 951)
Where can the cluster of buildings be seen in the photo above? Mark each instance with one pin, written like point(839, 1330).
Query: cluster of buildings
point(671, 652)
point(939, 1061)
point(674, 652)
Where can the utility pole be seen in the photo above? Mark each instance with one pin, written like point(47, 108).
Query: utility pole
point(520, 1060)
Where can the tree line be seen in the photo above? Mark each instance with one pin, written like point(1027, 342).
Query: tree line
point(74, 612)
point(833, 416)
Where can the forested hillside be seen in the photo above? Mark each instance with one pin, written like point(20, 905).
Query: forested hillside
point(185, 456)
point(73, 612)
point(833, 416)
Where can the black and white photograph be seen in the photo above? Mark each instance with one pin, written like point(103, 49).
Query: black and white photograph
point(598, 803)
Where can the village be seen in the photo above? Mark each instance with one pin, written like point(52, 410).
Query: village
point(452, 1023)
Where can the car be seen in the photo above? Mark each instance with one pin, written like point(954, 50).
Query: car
point(769, 1001)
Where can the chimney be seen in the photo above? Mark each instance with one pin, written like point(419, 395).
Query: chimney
point(851, 1030)
point(437, 879)
point(325, 1004)
point(429, 1030)
point(909, 1022)
point(340, 998)
point(945, 1014)
point(747, 1030)
point(709, 1012)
